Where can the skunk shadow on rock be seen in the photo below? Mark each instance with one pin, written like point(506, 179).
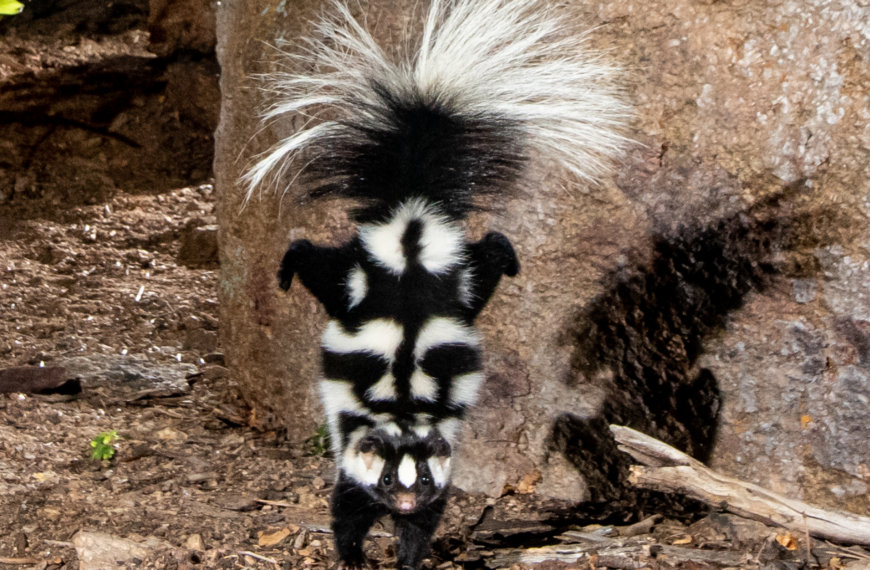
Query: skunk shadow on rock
point(642, 337)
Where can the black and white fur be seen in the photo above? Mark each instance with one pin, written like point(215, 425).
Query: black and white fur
point(415, 140)
point(401, 361)
point(412, 476)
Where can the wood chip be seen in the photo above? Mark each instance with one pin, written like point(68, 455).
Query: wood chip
point(270, 539)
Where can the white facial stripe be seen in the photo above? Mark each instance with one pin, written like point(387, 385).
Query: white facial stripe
point(443, 330)
point(440, 468)
point(407, 471)
point(383, 389)
point(423, 386)
point(380, 337)
point(334, 428)
point(464, 389)
point(440, 241)
point(354, 464)
point(357, 286)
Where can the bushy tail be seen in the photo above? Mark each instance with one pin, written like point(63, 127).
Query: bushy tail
point(489, 82)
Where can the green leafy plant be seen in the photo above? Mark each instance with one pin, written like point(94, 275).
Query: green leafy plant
point(318, 444)
point(104, 444)
point(10, 7)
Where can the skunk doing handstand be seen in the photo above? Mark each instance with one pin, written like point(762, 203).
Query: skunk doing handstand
point(415, 140)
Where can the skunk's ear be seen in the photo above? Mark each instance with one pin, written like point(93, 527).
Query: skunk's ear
point(293, 259)
point(368, 458)
point(438, 446)
point(370, 448)
point(439, 459)
point(371, 443)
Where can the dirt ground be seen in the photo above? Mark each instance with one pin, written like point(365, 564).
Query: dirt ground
point(108, 269)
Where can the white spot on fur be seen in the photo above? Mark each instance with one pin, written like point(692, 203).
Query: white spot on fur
point(440, 469)
point(449, 429)
point(423, 386)
point(441, 245)
point(465, 294)
point(355, 467)
point(384, 421)
point(422, 430)
point(337, 396)
point(384, 243)
point(383, 389)
point(357, 287)
point(407, 471)
point(391, 429)
point(464, 388)
point(442, 330)
point(380, 337)
point(440, 241)
point(364, 468)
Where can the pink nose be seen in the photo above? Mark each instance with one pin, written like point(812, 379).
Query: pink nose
point(406, 502)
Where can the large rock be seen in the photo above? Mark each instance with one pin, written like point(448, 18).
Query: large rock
point(730, 94)
point(735, 102)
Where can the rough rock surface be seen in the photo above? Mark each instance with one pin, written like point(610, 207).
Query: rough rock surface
point(735, 101)
point(730, 94)
point(101, 551)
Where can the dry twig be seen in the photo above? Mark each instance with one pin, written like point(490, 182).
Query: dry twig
point(668, 470)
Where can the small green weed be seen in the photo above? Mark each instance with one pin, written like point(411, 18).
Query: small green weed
point(104, 445)
point(318, 444)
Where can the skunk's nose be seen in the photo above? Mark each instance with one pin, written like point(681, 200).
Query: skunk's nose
point(406, 502)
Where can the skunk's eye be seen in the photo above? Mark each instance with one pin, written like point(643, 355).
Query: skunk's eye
point(425, 479)
point(388, 480)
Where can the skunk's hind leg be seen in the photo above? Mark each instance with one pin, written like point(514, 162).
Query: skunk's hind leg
point(489, 258)
point(323, 271)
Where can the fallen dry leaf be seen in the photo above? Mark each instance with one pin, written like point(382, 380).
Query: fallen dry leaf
point(269, 539)
point(787, 541)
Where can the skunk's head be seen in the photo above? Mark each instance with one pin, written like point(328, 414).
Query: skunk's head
point(405, 472)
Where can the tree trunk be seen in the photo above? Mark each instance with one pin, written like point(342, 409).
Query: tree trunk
point(270, 339)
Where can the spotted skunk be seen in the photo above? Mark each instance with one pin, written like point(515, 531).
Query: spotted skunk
point(415, 141)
